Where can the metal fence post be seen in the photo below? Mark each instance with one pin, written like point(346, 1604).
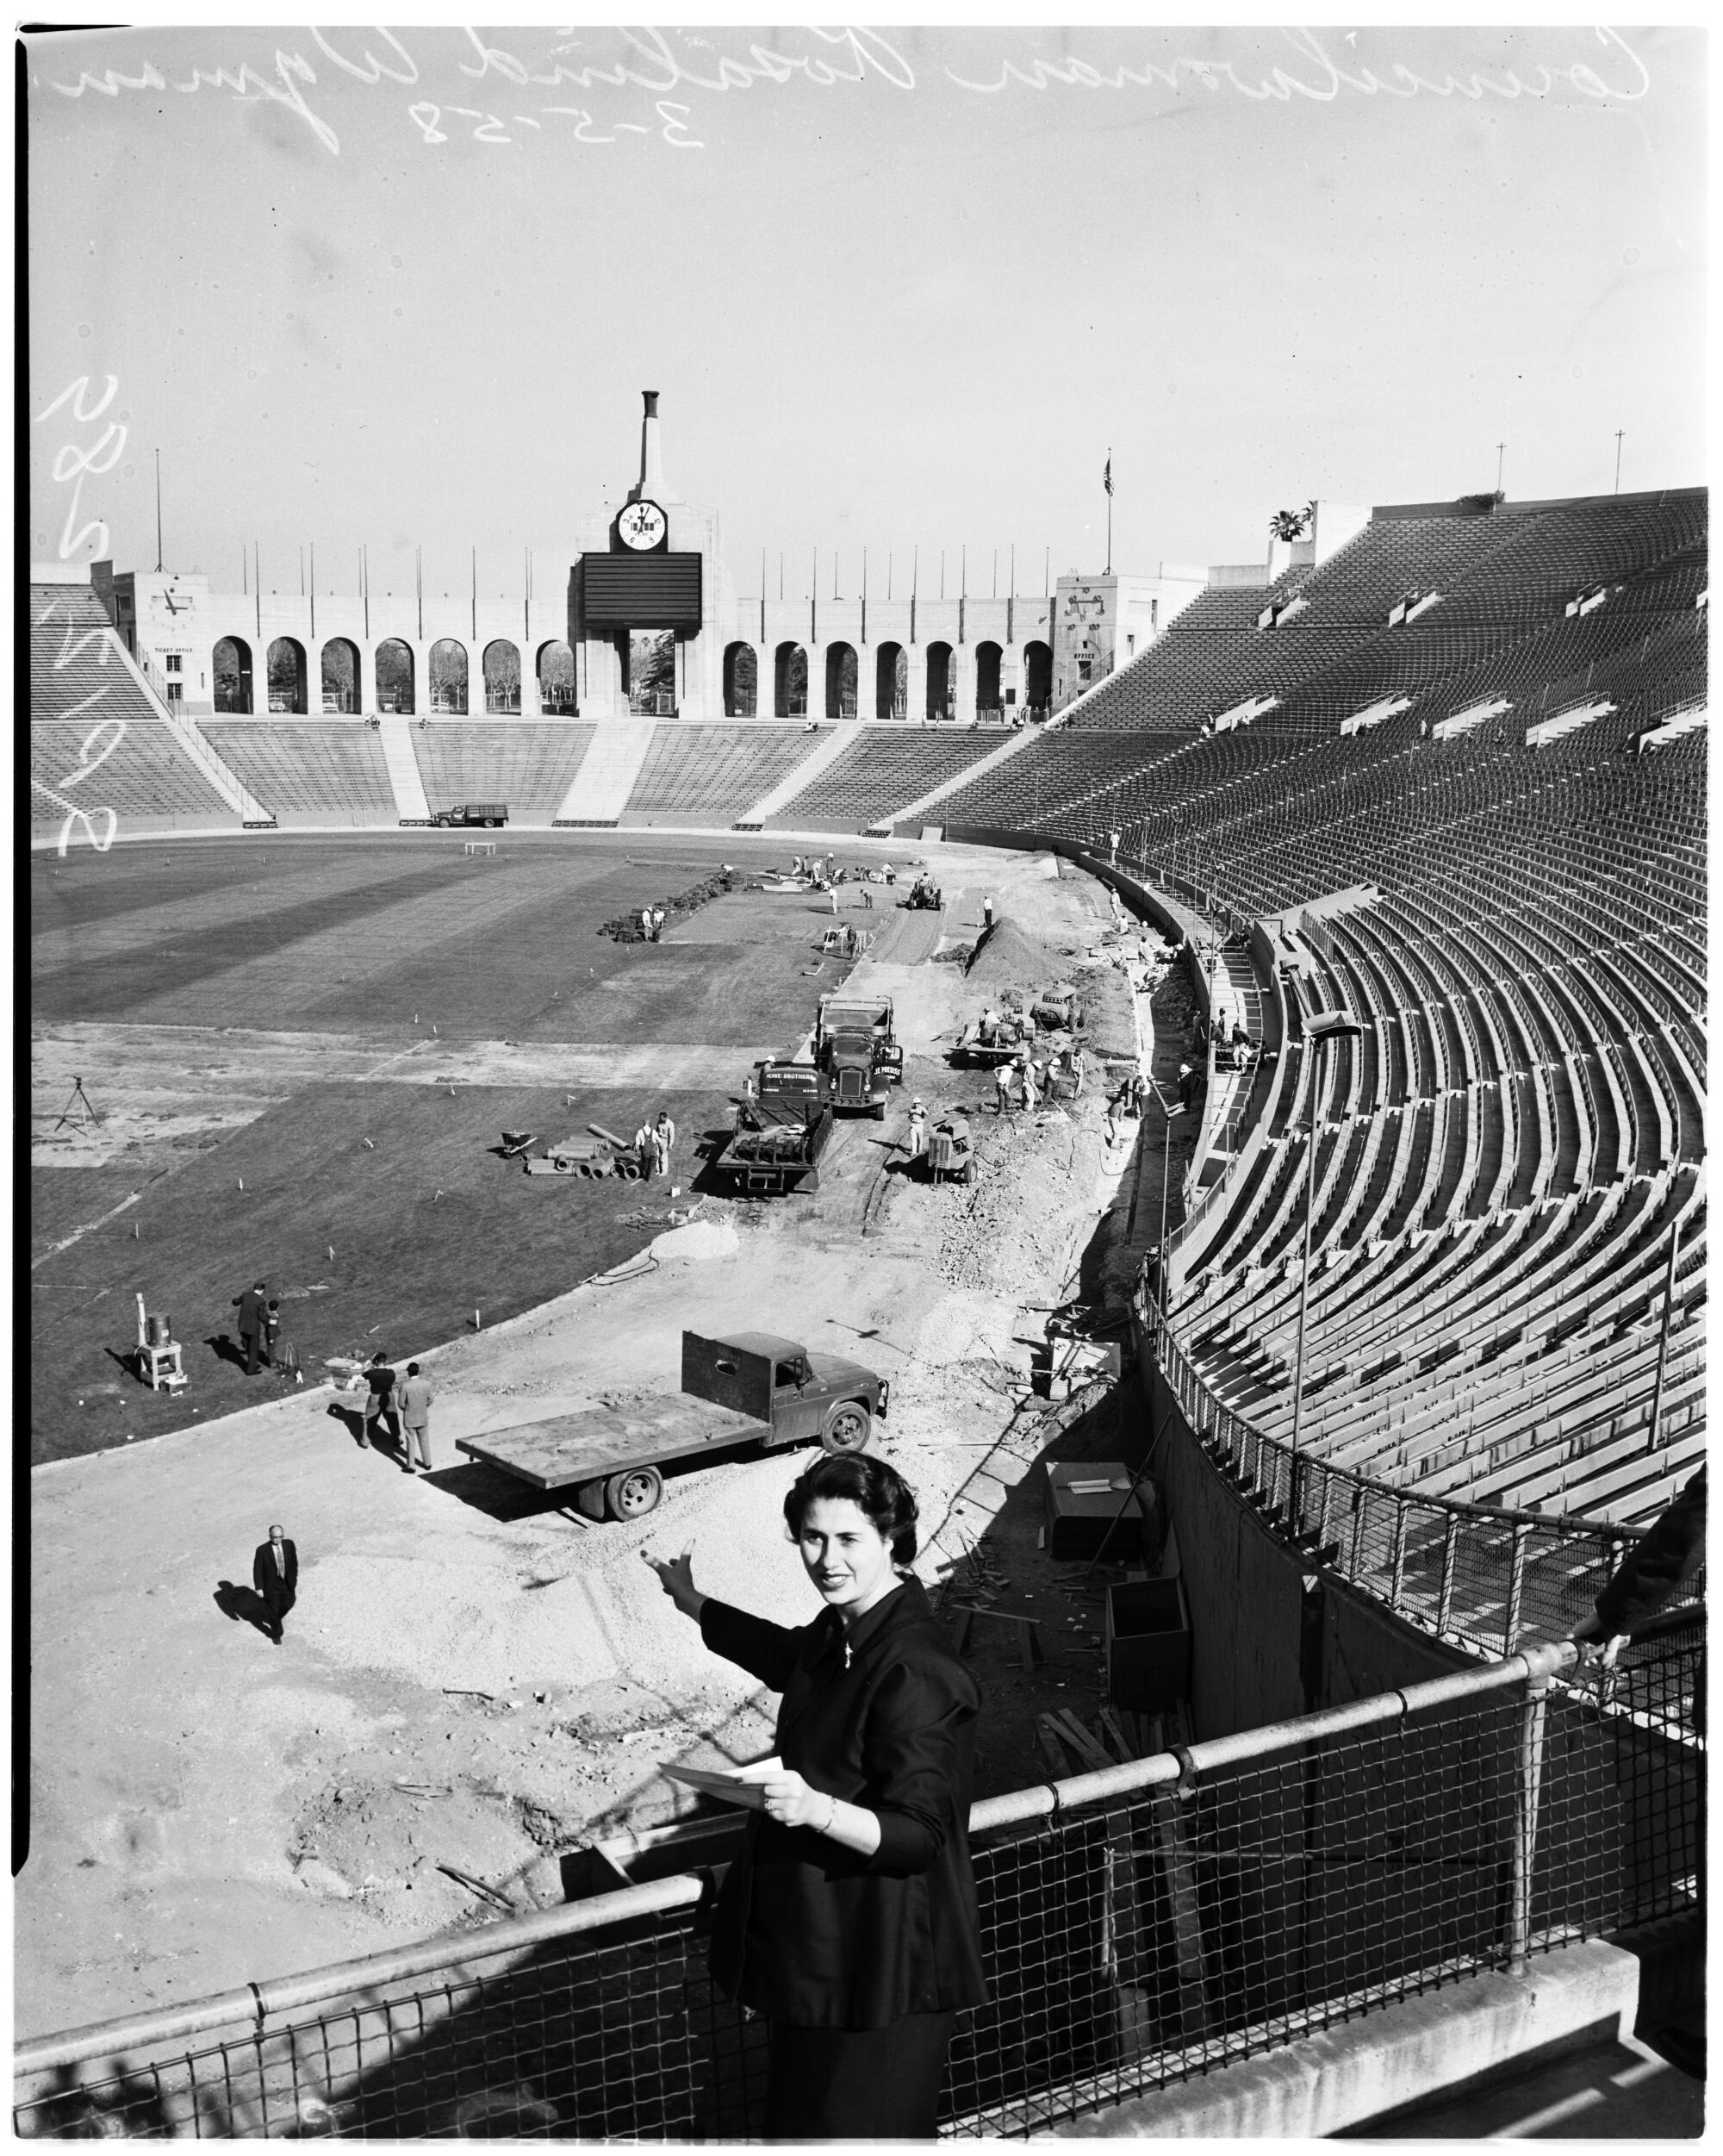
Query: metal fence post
point(1450, 1545)
point(1516, 1585)
point(1528, 1787)
point(1397, 1565)
point(1357, 1530)
point(1322, 1509)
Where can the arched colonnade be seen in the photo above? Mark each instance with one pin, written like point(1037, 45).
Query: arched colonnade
point(936, 681)
point(442, 675)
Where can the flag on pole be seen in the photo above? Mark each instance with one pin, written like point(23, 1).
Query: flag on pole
point(1107, 476)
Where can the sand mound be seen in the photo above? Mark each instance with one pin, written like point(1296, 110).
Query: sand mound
point(1006, 957)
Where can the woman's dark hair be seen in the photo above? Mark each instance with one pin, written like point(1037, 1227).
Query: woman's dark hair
point(881, 1492)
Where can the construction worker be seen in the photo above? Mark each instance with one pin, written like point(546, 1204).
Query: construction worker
point(1029, 1074)
point(987, 911)
point(917, 1138)
point(1002, 1089)
point(645, 1149)
point(663, 1139)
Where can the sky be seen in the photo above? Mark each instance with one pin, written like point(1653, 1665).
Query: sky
point(904, 290)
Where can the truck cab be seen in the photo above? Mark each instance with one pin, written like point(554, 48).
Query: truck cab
point(800, 1394)
point(855, 1045)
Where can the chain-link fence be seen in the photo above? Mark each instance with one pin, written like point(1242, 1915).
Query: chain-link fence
point(1483, 1575)
point(1141, 1926)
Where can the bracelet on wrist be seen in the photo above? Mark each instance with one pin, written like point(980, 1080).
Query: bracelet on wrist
point(832, 1815)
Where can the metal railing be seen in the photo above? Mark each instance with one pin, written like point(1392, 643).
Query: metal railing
point(1141, 1926)
point(1485, 1577)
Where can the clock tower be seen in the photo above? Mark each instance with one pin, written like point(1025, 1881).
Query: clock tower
point(653, 574)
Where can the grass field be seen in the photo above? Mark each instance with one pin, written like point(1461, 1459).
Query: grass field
point(384, 941)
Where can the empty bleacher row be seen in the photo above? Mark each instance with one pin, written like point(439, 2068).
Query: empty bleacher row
point(883, 768)
point(308, 768)
point(529, 764)
point(715, 772)
point(97, 743)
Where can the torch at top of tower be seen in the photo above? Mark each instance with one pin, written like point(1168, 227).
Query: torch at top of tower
point(651, 486)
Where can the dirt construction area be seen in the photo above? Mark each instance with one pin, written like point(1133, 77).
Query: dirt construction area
point(474, 1678)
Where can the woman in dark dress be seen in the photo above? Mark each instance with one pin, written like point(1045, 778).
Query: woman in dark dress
point(849, 1921)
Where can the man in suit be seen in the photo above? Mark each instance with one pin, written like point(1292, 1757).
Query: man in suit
point(275, 1574)
point(253, 1307)
point(413, 1400)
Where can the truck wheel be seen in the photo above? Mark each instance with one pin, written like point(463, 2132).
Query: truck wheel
point(970, 1170)
point(878, 1111)
point(849, 1429)
point(490, 823)
point(633, 1493)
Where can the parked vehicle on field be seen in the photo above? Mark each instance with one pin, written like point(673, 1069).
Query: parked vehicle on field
point(469, 815)
point(745, 1388)
point(855, 1045)
point(783, 1124)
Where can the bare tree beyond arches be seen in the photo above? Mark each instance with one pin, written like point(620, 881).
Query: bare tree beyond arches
point(502, 677)
point(790, 672)
point(988, 698)
point(652, 673)
point(340, 677)
point(1037, 676)
point(395, 682)
point(230, 669)
point(556, 677)
point(891, 682)
point(287, 682)
point(940, 687)
point(448, 674)
point(741, 682)
point(842, 673)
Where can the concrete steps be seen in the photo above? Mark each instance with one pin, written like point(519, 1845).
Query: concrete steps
point(405, 782)
point(608, 769)
point(914, 813)
point(821, 756)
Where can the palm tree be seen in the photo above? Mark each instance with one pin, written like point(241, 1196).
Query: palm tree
point(1289, 524)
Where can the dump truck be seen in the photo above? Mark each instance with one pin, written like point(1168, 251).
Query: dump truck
point(783, 1124)
point(855, 1045)
point(746, 1388)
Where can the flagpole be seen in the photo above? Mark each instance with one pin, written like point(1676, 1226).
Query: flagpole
point(1110, 512)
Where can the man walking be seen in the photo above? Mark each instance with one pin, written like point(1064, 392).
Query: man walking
point(663, 1139)
point(1002, 1089)
point(379, 1397)
point(275, 1574)
point(414, 1397)
point(253, 1307)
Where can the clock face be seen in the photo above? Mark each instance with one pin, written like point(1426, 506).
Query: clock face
point(642, 525)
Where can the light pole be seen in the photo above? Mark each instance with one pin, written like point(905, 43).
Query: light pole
point(1167, 1117)
point(1319, 1029)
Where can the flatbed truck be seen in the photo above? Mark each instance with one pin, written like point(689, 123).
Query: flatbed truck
point(743, 1388)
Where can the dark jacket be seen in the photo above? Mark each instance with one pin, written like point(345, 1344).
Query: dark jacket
point(267, 1579)
point(250, 1306)
point(805, 1931)
point(1664, 1558)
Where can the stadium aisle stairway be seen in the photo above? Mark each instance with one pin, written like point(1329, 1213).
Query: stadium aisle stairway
point(887, 764)
point(97, 743)
point(527, 765)
point(715, 773)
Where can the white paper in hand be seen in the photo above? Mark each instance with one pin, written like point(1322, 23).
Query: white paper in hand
point(742, 1786)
